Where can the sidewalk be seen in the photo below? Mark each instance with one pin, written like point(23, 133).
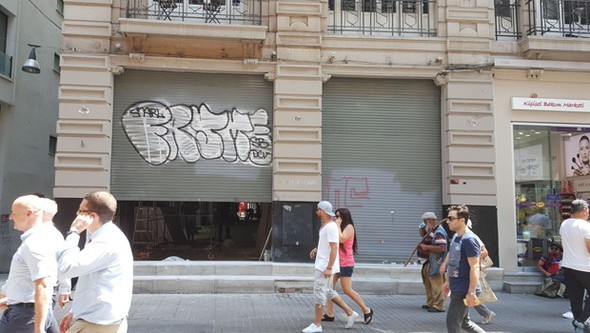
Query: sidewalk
point(265, 313)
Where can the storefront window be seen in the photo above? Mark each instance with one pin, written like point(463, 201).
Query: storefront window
point(549, 164)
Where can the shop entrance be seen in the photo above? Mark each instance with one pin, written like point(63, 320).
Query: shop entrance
point(552, 168)
point(189, 230)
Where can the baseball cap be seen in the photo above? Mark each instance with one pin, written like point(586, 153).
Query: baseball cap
point(428, 215)
point(326, 207)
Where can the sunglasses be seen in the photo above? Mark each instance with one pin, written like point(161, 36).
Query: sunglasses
point(451, 218)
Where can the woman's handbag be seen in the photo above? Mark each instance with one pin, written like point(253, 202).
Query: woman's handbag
point(487, 294)
point(485, 263)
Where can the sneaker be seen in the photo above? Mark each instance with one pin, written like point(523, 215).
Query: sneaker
point(489, 318)
point(578, 327)
point(313, 328)
point(350, 320)
point(568, 315)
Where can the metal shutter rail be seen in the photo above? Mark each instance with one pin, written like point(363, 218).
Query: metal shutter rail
point(381, 152)
point(132, 178)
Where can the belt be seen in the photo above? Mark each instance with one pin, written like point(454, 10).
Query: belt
point(21, 305)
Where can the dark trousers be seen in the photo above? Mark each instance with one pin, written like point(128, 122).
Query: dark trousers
point(458, 316)
point(576, 283)
point(19, 319)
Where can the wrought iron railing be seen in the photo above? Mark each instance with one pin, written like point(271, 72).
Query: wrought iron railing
point(5, 64)
point(245, 12)
point(382, 17)
point(566, 18)
point(507, 19)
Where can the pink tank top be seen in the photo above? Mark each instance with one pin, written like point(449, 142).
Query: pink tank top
point(346, 258)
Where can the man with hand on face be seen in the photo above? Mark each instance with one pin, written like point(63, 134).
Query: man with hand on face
point(462, 266)
point(33, 273)
point(104, 267)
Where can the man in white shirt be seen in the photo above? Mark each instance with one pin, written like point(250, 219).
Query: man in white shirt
point(32, 275)
point(326, 264)
point(104, 267)
point(575, 239)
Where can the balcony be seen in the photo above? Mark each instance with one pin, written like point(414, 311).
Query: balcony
point(240, 12)
point(382, 17)
point(5, 64)
point(507, 22)
point(558, 18)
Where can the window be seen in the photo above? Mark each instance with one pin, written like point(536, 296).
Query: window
point(60, 6)
point(56, 58)
point(5, 59)
point(52, 144)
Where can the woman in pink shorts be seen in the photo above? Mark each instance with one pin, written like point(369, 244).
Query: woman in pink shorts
point(346, 252)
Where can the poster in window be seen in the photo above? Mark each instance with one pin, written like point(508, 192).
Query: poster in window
point(528, 163)
point(577, 155)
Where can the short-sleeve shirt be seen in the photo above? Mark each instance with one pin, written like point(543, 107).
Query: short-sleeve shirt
point(329, 233)
point(34, 259)
point(466, 246)
point(573, 233)
point(551, 263)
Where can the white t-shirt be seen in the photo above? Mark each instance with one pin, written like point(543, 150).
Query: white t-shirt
point(329, 233)
point(573, 233)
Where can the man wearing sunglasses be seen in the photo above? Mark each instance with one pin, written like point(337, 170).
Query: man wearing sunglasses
point(462, 267)
point(104, 267)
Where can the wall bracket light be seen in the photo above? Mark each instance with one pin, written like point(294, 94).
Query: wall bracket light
point(32, 65)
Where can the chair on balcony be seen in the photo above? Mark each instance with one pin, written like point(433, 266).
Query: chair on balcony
point(212, 9)
point(166, 9)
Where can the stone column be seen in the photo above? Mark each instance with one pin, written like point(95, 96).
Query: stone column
point(83, 155)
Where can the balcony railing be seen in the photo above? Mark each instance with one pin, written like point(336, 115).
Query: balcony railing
point(245, 12)
point(5, 64)
point(507, 22)
point(565, 18)
point(382, 17)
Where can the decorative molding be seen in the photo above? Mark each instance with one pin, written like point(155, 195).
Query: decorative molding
point(535, 73)
point(117, 70)
point(270, 76)
point(137, 57)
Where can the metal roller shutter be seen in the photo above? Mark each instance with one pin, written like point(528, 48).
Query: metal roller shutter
point(381, 158)
point(192, 137)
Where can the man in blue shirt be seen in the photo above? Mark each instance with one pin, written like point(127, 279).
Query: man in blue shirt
point(462, 266)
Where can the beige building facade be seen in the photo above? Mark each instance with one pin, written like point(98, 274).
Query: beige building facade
point(125, 61)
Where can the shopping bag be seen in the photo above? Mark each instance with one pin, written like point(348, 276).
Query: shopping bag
point(485, 263)
point(487, 294)
point(550, 288)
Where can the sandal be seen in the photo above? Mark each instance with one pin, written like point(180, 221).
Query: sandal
point(368, 317)
point(325, 317)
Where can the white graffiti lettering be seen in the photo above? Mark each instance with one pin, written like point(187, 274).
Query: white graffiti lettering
point(161, 133)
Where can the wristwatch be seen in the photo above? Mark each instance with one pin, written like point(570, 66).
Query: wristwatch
point(330, 268)
point(72, 231)
point(472, 293)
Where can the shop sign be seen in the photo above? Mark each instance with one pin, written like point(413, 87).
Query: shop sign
point(550, 104)
point(582, 186)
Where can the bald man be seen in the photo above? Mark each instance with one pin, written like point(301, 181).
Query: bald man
point(32, 274)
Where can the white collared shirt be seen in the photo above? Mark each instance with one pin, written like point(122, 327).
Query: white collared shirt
point(105, 271)
point(34, 259)
point(65, 285)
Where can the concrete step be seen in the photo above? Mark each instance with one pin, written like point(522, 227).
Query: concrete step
point(268, 277)
point(520, 287)
point(522, 282)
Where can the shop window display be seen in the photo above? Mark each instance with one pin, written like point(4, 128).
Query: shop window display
point(552, 168)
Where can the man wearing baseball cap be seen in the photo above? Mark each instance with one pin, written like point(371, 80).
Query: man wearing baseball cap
point(435, 246)
point(326, 264)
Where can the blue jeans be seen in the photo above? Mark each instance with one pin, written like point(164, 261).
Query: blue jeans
point(19, 319)
point(458, 316)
